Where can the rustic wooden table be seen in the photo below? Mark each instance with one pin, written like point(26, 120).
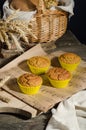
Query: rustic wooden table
point(9, 121)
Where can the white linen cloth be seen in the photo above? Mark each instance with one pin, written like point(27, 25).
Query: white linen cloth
point(68, 7)
point(25, 15)
point(70, 114)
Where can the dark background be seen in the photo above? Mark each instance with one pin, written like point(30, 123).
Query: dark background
point(77, 23)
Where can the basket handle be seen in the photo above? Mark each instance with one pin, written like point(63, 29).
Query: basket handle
point(39, 5)
point(42, 9)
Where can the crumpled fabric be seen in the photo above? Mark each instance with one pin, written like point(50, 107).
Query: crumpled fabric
point(24, 15)
point(68, 7)
point(70, 114)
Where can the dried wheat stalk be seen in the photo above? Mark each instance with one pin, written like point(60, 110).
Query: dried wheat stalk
point(12, 30)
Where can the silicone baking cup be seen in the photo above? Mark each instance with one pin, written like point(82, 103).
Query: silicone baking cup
point(38, 70)
point(30, 89)
point(59, 83)
point(69, 67)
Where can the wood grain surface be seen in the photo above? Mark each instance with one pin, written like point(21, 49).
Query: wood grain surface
point(48, 96)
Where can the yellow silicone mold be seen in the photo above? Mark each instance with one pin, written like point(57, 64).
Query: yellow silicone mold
point(29, 90)
point(69, 67)
point(38, 70)
point(59, 83)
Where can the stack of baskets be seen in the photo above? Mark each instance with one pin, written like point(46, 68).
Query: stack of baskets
point(48, 25)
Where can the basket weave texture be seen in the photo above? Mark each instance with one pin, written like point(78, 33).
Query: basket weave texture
point(48, 25)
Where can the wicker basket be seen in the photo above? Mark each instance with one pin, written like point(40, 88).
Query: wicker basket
point(48, 25)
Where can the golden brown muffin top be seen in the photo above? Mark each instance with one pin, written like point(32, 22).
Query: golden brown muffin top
point(28, 79)
point(69, 58)
point(58, 73)
point(39, 61)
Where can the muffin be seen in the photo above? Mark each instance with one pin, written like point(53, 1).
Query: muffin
point(29, 83)
point(58, 77)
point(38, 64)
point(69, 61)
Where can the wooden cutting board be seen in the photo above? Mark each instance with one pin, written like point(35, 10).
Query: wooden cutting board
point(48, 96)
